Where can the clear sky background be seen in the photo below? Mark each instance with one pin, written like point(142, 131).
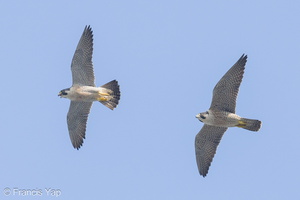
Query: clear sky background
point(167, 56)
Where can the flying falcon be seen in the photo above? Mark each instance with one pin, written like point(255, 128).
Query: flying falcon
point(84, 91)
point(221, 115)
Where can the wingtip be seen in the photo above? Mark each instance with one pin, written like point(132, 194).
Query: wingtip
point(242, 60)
point(77, 146)
point(244, 57)
point(204, 172)
point(203, 175)
point(87, 27)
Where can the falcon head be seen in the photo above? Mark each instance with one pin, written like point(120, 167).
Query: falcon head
point(64, 93)
point(202, 116)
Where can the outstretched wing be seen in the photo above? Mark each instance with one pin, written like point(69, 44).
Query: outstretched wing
point(206, 143)
point(77, 118)
point(226, 90)
point(82, 65)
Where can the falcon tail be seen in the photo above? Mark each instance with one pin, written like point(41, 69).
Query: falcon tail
point(249, 124)
point(114, 94)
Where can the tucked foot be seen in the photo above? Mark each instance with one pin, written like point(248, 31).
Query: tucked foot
point(249, 124)
point(110, 98)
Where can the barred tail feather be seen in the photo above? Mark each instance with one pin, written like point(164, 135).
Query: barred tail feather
point(115, 94)
point(250, 124)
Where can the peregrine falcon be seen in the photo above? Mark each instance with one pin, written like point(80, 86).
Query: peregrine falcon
point(84, 91)
point(221, 115)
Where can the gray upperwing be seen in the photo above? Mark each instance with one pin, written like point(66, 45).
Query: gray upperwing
point(226, 90)
point(82, 65)
point(206, 143)
point(77, 118)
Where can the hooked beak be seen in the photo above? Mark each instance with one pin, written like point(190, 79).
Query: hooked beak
point(198, 117)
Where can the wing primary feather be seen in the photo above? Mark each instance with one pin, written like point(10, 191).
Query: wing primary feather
point(82, 65)
point(77, 119)
point(226, 90)
point(206, 143)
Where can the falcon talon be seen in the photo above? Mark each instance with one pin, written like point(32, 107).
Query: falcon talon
point(241, 124)
point(104, 94)
point(102, 99)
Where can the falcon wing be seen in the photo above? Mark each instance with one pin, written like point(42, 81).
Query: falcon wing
point(82, 65)
point(77, 118)
point(226, 90)
point(206, 143)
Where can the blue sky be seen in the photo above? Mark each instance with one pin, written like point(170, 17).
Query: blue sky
point(167, 56)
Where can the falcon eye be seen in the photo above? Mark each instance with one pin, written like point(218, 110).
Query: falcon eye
point(206, 112)
point(63, 92)
point(202, 117)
